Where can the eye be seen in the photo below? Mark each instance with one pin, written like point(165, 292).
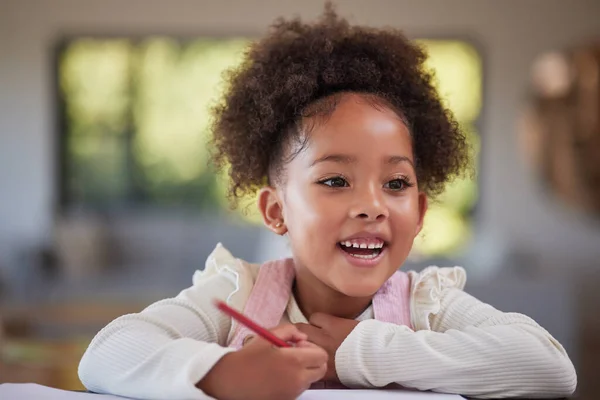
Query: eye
point(336, 182)
point(398, 184)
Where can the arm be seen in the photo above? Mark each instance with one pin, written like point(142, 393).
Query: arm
point(470, 349)
point(163, 351)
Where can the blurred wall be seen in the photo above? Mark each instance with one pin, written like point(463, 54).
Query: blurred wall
point(514, 215)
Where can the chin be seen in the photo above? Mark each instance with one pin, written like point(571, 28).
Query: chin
point(359, 288)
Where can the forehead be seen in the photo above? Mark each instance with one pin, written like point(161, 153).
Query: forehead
point(358, 126)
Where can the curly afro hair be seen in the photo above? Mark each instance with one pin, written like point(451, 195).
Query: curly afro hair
point(297, 66)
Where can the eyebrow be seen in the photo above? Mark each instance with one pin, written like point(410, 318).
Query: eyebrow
point(399, 159)
point(337, 158)
point(347, 159)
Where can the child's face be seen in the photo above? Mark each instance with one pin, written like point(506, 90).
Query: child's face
point(354, 184)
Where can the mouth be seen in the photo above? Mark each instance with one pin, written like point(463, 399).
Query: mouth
point(363, 251)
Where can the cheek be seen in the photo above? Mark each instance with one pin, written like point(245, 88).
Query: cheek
point(405, 216)
point(308, 206)
point(312, 218)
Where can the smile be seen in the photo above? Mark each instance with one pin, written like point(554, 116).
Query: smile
point(363, 252)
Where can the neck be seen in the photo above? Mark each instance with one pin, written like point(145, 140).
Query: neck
point(314, 296)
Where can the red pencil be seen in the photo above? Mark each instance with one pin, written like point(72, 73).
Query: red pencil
point(242, 319)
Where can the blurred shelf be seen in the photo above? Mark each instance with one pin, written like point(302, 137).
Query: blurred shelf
point(50, 363)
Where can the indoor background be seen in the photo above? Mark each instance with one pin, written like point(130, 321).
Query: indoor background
point(107, 201)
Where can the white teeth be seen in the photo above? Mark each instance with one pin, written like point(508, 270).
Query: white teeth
point(348, 243)
point(365, 257)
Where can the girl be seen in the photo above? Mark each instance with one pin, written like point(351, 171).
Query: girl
point(340, 131)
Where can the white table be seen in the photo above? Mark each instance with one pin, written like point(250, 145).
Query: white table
point(21, 391)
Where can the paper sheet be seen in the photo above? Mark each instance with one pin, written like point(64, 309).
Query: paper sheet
point(14, 391)
point(18, 391)
point(381, 394)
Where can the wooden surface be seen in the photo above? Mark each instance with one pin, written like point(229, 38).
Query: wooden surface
point(46, 363)
point(27, 355)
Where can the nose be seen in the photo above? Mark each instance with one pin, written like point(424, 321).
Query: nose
point(369, 205)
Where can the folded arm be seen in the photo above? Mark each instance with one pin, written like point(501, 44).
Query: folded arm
point(470, 348)
point(163, 351)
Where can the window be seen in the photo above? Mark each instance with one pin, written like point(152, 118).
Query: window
point(135, 121)
point(134, 124)
point(449, 220)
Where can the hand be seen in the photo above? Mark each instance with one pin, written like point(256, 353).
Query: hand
point(328, 332)
point(262, 371)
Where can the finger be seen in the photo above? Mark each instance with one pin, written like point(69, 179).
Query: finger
point(289, 333)
point(315, 335)
point(305, 357)
point(305, 343)
point(302, 327)
point(321, 320)
point(308, 330)
point(315, 374)
point(310, 357)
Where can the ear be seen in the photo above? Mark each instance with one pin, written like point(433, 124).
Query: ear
point(422, 211)
point(271, 209)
